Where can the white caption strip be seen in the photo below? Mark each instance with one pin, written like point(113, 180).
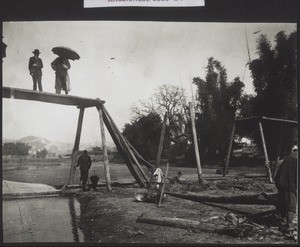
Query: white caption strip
point(143, 3)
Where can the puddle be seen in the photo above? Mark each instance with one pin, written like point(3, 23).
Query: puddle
point(52, 219)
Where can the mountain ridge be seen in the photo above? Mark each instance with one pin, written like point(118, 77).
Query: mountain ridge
point(37, 143)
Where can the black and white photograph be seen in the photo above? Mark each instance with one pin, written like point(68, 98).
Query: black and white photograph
point(149, 132)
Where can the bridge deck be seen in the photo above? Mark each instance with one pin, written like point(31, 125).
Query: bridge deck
point(16, 93)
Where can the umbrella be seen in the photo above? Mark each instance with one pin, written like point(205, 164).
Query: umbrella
point(65, 52)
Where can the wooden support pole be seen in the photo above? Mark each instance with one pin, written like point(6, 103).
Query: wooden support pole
point(163, 187)
point(196, 143)
point(104, 148)
point(229, 150)
point(161, 141)
point(267, 162)
point(76, 147)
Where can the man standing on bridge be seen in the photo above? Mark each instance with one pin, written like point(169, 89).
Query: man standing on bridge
point(84, 162)
point(35, 66)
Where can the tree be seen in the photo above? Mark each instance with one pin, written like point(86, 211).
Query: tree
point(144, 133)
point(218, 102)
point(171, 100)
point(167, 98)
point(18, 148)
point(42, 153)
point(275, 83)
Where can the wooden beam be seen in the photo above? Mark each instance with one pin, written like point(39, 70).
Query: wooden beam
point(76, 147)
point(258, 199)
point(114, 132)
point(16, 93)
point(161, 140)
point(229, 150)
point(104, 148)
point(267, 161)
point(196, 143)
point(267, 118)
point(147, 164)
point(195, 225)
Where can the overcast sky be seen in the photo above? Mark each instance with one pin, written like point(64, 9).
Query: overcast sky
point(121, 63)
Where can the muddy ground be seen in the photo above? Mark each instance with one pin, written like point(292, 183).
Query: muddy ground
point(111, 217)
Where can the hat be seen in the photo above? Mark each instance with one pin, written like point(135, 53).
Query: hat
point(36, 51)
point(295, 148)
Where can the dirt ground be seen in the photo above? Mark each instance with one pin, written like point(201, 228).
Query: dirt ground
point(111, 217)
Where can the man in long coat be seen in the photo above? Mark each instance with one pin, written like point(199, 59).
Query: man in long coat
point(35, 66)
point(286, 183)
point(84, 162)
point(61, 66)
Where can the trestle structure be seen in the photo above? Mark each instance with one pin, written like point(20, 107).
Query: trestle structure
point(131, 157)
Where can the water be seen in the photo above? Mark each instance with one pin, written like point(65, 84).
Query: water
point(48, 219)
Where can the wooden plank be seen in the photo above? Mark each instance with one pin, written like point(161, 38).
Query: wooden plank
point(16, 93)
point(109, 125)
point(195, 225)
point(259, 118)
point(76, 147)
point(104, 148)
point(196, 143)
point(229, 150)
point(161, 140)
point(125, 145)
point(267, 162)
point(258, 199)
point(147, 164)
point(128, 152)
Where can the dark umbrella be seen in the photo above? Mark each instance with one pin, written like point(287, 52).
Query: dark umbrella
point(65, 52)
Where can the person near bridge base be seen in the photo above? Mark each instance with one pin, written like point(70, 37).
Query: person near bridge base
point(286, 183)
point(84, 163)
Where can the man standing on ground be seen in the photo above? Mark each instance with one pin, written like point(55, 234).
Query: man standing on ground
point(286, 183)
point(84, 162)
point(35, 66)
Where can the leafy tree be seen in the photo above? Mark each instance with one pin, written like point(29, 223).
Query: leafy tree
point(18, 148)
point(42, 153)
point(275, 84)
point(144, 133)
point(218, 102)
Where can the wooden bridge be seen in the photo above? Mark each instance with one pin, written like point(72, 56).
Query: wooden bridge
point(131, 157)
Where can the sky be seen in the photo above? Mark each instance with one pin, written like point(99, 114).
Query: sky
point(121, 62)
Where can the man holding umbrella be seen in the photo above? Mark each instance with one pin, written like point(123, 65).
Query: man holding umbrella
point(61, 66)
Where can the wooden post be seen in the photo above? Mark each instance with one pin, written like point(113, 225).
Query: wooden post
point(76, 147)
point(104, 148)
point(161, 141)
point(225, 169)
point(267, 162)
point(196, 142)
point(163, 187)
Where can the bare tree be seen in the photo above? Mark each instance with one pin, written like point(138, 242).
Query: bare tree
point(167, 98)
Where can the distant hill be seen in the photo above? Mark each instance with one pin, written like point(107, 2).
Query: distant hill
point(38, 143)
